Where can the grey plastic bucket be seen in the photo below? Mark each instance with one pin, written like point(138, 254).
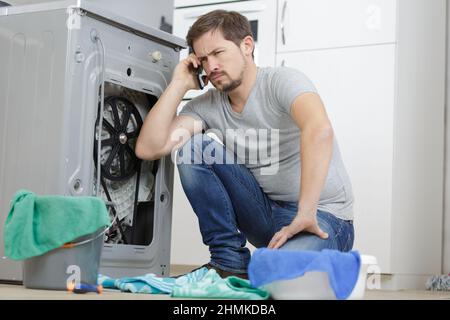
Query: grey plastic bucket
point(78, 263)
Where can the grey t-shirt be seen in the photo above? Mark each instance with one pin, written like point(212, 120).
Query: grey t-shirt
point(266, 122)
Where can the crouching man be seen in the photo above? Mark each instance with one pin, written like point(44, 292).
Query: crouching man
point(278, 180)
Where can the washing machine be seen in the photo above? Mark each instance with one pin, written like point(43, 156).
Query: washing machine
point(76, 83)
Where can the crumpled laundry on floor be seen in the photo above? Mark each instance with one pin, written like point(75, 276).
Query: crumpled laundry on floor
point(201, 283)
point(213, 286)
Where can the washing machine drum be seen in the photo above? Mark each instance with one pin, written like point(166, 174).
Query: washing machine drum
point(121, 125)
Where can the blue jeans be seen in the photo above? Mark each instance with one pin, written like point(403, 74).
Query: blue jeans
point(232, 208)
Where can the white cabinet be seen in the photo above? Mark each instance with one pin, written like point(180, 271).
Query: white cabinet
point(191, 3)
point(362, 118)
point(384, 90)
point(307, 24)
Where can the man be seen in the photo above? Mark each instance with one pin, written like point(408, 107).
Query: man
point(290, 199)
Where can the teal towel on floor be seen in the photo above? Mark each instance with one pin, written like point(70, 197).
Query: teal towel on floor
point(150, 283)
point(201, 283)
point(38, 224)
point(214, 287)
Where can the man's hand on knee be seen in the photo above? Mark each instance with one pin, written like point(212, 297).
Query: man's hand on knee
point(302, 222)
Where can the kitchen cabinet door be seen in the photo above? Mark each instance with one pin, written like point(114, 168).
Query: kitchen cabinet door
point(320, 24)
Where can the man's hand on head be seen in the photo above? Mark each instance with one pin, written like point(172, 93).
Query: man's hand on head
point(185, 72)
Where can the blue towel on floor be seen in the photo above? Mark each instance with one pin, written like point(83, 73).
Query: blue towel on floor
point(268, 265)
point(150, 283)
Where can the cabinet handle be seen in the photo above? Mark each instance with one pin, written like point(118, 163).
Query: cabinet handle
point(283, 62)
point(283, 13)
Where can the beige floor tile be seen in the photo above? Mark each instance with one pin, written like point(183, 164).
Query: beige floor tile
point(18, 292)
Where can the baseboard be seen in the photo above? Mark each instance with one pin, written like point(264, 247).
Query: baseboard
point(177, 269)
point(403, 281)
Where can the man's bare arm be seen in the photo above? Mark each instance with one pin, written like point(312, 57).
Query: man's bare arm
point(316, 150)
point(156, 138)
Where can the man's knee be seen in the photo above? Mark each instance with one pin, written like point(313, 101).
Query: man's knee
point(307, 241)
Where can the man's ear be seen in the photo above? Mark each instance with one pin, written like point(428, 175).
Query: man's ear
point(247, 45)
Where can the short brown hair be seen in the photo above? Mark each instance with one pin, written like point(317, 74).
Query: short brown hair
point(234, 26)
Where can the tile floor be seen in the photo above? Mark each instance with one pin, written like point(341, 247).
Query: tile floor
point(18, 292)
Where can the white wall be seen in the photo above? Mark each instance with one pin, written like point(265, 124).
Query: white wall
point(187, 246)
point(446, 247)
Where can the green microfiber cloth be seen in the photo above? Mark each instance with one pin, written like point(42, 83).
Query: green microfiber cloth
point(38, 224)
point(214, 287)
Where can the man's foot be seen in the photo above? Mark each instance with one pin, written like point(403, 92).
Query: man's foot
point(220, 272)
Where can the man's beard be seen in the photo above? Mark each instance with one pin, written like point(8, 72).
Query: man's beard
point(234, 83)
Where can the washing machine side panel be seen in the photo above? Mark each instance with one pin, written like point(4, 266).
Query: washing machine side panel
point(163, 218)
point(167, 227)
point(32, 59)
point(48, 108)
point(83, 79)
point(128, 63)
point(124, 51)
